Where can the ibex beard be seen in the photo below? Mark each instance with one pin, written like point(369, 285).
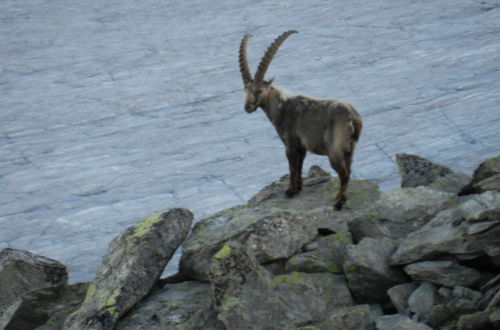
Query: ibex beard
point(322, 126)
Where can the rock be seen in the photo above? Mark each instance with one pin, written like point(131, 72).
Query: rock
point(187, 305)
point(417, 171)
point(247, 296)
point(469, 231)
point(399, 295)
point(486, 177)
point(47, 308)
point(21, 272)
point(271, 234)
point(329, 255)
point(452, 183)
point(317, 292)
point(368, 272)
point(422, 300)
point(399, 322)
point(446, 273)
point(354, 317)
point(474, 321)
point(132, 265)
point(399, 212)
point(318, 191)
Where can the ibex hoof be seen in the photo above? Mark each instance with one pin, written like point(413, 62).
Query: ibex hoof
point(291, 192)
point(341, 199)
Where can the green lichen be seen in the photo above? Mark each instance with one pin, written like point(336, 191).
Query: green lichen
point(294, 277)
point(373, 213)
point(90, 293)
point(223, 253)
point(343, 237)
point(110, 304)
point(230, 303)
point(352, 268)
point(145, 225)
point(333, 268)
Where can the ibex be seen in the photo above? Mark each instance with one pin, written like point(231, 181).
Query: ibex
point(321, 126)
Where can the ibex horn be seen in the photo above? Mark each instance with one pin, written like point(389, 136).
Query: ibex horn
point(268, 56)
point(245, 71)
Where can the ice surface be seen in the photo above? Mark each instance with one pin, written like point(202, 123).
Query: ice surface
point(111, 110)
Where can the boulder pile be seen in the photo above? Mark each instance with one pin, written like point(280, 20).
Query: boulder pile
point(423, 256)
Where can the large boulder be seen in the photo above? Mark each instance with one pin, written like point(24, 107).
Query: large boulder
point(345, 318)
point(399, 322)
point(132, 265)
point(187, 305)
point(273, 226)
point(368, 272)
point(399, 212)
point(247, 296)
point(417, 171)
point(447, 273)
point(327, 256)
point(486, 177)
point(47, 308)
point(21, 272)
point(468, 231)
point(271, 234)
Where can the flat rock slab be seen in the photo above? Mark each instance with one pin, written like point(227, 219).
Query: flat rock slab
point(398, 322)
point(446, 273)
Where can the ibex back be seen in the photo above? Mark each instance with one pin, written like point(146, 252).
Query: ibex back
point(322, 126)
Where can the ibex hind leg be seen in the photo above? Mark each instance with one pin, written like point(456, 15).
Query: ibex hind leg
point(295, 162)
point(339, 164)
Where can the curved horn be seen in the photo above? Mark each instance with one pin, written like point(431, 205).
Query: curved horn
point(268, 56)
point(245, 71)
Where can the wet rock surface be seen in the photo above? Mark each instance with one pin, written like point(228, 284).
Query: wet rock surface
point(115, 109)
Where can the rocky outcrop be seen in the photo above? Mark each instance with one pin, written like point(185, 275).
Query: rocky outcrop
point(419, 257)
point(132, 265)
point(22, 272)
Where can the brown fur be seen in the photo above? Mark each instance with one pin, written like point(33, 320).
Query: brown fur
point(322, 126)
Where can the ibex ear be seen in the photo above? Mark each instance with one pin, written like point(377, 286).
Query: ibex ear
point(270, 81)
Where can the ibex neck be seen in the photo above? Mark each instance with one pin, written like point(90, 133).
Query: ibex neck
point(273, 101)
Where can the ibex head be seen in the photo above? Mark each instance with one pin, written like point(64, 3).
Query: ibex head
point(257, 88)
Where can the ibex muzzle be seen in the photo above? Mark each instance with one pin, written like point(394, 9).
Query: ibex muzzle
point(322, 126)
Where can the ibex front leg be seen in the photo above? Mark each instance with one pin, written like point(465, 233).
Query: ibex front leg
point(295, 161)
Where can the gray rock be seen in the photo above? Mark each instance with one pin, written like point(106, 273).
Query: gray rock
point(399, 295)
point(247, 296)
point(399, 322)
point(132, 265)
point(452, 183)
point(417, 171)
point(187, 306)
point(486, 177)
point(422, 300)
point(446, 273)
point(467, 232)
point(271, 234)
point(399, 212)
point(317, 191)
point(21, 272)
point(244, 292)
point(47, 308)
point(329, 256)
point(354, 317)
point(474, 321)
point(368, 272)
